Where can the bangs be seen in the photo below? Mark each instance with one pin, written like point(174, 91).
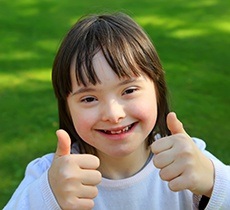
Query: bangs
point(119, 43)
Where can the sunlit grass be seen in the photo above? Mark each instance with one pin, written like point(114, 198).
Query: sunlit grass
point(159, 21)
point(22, 79)
point(222, 26)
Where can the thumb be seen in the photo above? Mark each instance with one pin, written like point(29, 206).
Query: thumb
point(174, 125)
point(64, 142)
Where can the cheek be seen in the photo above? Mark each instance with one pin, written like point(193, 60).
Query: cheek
point(84, 123)
point(146, 112)
point(145, 108)
point(83, 120)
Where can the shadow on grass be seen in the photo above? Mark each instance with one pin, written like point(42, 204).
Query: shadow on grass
point(191, 38)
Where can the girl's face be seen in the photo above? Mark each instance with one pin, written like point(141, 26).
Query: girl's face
point(116, 115)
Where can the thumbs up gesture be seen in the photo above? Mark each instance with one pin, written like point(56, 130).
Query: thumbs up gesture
point(73, 177)
point(180, 161)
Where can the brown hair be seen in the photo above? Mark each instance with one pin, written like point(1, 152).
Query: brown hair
point(127, 50)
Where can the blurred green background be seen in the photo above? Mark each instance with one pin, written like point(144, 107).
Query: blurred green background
point(191, 37)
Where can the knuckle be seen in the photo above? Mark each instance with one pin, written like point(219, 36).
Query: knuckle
point(97, 160)
point(94, 192)
point(156, 162)
point(69, 204)
point(186, 152)
point(164, 175)
point(173, 186)
point(98, 176)
point(69, 177)
point(192, 181)
point(92, 158)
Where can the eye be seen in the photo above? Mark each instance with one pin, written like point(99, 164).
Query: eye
point(130, 90)
point(88, 99)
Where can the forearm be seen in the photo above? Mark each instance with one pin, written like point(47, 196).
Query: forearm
point(220, 198)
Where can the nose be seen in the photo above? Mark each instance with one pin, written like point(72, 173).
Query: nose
point(113, 112)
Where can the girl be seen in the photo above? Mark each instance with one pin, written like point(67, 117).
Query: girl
point(119, 147)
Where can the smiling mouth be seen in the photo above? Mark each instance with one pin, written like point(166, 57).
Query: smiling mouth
point(115, 132)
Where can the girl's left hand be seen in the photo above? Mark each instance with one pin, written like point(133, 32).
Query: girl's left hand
point(180, 161)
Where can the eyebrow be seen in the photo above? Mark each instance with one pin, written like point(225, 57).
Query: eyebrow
point(91, 89)
point(83, 90)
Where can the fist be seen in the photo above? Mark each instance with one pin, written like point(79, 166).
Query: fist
point(180, 161)
point(73, 177)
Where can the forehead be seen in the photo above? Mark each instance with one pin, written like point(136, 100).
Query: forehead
point(100, 69)
point(121, 41)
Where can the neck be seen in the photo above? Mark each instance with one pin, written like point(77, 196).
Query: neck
point(122, 167)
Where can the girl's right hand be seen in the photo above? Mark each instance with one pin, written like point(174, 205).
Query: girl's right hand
point(73, 177)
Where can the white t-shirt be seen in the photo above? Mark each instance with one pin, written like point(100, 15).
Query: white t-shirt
point(144, 190)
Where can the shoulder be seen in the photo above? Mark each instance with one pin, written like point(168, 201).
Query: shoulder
point(199, 143)
point(202, 147)
point(40, 165)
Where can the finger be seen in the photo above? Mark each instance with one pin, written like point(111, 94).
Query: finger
point(163, 159)
point(171, 171)
point(161, 145)
point(91, 177)
point(64, 142)
point(174, 125)
point(87, 191)
point(178, 184)
point(87, 161)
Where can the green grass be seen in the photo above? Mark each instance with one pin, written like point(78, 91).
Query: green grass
point(192, 39)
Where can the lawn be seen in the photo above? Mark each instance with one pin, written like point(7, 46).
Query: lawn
point(192, 39)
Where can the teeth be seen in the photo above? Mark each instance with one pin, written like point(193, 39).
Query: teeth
point(120, 131)
point(115, 132)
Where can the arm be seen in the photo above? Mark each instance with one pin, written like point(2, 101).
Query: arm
point(185, 164)
point(58, 181)
point(73, 178)
point(34, 191)
point(220, 198)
